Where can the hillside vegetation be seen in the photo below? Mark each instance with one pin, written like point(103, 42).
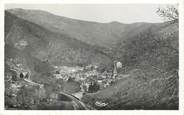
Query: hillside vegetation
point(88, 32)
point(149, 79)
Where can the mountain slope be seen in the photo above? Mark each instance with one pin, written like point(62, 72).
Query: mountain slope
point(158, 46)
point(32, 42)
point(149, 79)
point(101, 34)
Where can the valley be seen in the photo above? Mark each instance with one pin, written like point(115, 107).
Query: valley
point(58, 63)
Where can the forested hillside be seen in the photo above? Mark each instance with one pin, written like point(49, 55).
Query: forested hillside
point(149, 78)
point(101, 34)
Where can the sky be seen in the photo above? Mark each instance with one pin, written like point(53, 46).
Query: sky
point(104, 13)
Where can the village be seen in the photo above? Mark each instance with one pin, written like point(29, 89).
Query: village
point(87, 76)
point(90, 80)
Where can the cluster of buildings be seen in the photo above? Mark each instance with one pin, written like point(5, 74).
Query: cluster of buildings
point(86, 76)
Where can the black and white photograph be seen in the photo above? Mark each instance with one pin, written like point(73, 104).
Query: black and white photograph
point(91, 56)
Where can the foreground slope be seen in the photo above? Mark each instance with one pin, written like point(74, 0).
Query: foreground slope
point(136, 91)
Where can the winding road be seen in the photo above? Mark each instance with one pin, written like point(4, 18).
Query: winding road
point(65, 101)
point(74, 102)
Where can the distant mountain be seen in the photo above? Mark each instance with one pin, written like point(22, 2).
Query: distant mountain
point(60, 40)
point(101, 34)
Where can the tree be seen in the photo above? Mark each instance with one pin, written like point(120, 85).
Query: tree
point(170, 13)
point(94, 87)
point(21, 75)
